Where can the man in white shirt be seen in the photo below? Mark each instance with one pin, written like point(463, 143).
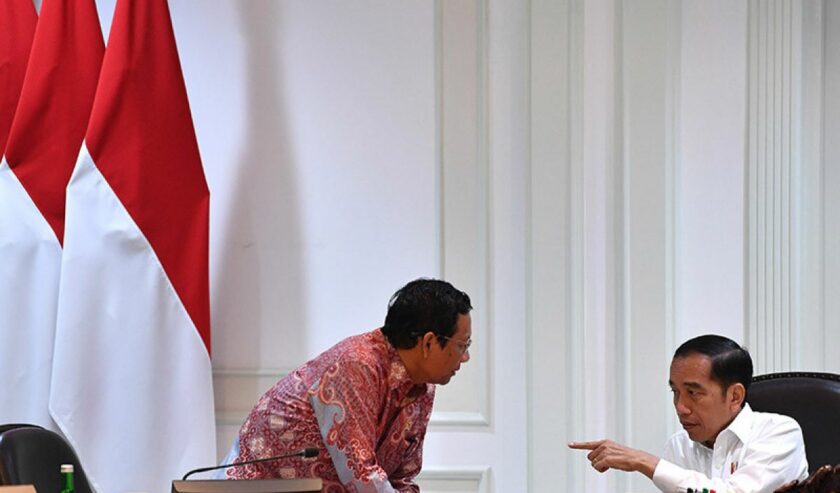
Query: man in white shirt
point(724, 445)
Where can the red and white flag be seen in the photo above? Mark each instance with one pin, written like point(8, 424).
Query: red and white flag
point(29, 251)
point(132, 385)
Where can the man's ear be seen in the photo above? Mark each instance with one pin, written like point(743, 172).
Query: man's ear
point(426, 342)
point(737, 394)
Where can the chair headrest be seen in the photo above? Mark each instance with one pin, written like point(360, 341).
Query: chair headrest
point(34, 455)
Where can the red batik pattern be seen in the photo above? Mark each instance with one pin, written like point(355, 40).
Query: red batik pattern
point(357, 404)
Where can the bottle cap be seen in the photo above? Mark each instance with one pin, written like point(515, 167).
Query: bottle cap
point(66, 468)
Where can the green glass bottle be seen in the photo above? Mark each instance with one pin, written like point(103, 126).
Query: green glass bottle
point(67, 478)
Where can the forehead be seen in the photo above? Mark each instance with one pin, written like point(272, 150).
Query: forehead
point(696, 368)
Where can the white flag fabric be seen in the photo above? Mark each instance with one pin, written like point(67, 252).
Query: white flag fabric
point(132, 387)
point(43, 144)
point(29, 252)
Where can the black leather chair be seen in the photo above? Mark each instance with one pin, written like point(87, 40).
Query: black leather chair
point(813, 400)
point(12, 426)
point(33, 455)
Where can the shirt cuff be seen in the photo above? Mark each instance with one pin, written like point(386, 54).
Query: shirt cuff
point(667, 476)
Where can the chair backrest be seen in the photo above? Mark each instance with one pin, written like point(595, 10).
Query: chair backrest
point(825, 480)
point(813, 400)
point(12, 426)
point(33, 455)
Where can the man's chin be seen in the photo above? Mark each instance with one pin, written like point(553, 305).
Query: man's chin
point(445, 380)
point(695, 436)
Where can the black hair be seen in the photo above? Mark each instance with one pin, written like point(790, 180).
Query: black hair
point(424, 305)
point(731, 363)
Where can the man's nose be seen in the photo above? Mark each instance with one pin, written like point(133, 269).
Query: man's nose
point(466, 356)
point(682, 409)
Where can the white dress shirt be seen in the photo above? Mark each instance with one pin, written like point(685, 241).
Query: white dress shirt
point(756, 453)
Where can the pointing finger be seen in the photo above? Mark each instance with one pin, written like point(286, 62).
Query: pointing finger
point(585, 445)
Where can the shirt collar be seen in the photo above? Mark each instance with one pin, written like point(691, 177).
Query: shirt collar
point(742, 424)
point(398, 377)
point(739, 428)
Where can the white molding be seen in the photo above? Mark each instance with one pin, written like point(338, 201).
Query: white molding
point(673, 160)
point(830, 224)
point(811, 293)
point(623, 378)
point(774, 161)
point(243, 372)
point(459, 420)
point(794, 182)
point(464, 202)
point(437, 29)
point(551, 396)
point(645, 247)
point(575, 374)
point(238, 389)
point(230, 419)
point(477, 478)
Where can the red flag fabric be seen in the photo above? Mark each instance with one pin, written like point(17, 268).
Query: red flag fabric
point(55, 103)
point(142, 139)
point(17, 27)
point(132, 380)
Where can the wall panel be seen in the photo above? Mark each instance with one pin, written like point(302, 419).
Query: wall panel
point(773, 182)
point(453, 480)
point(462, 134)
point(831, 184)
point(648, 220)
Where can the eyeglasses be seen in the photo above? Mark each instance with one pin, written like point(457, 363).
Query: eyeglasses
point(463, 346)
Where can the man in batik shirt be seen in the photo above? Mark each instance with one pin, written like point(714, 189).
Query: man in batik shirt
point(365, 402)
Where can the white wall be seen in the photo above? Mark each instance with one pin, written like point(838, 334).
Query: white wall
point(710, 187)
point(830, 336)
point(683, 181)
point(349, 148)
point(581, 168)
